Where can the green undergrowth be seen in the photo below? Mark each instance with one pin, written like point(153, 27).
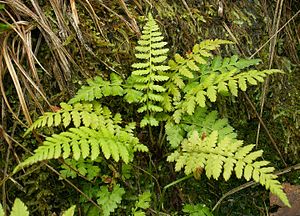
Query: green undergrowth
point(176, 121)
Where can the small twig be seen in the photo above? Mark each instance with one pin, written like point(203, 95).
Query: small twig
point(260, 48)
point(134, 24)
point(249, 184)
point(266, 129)
point(152, 176)
point(275, 26)
point(119, 16)
point(190, 12)
point(251, 104)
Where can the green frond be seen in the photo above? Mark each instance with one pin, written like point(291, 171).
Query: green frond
point(226, 82)
point(86, 114)
point(202, 121)
point(217, 157)
point(98, 88)
point(70, 211)
point(202, 76)
point(146, 79)
point(109, 199)
point(149, 120)
point(19, 208)
point(85, 142)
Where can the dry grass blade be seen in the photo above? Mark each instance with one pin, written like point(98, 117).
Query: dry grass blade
point(275, 27)
point(5, 99)
point(95, 18)
point(18, 51)
point(16, 81)
point(62, 57)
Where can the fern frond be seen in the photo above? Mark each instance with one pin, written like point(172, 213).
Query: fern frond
point(86, 114)
point(202, 121)
point(202, 76)
point(109, 200)
point(148, 72)
point(225, 156)
point(83, 142)
point(98, 88)
point(214, 83)
point(191, 66)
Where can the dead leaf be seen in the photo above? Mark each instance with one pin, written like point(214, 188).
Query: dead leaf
point(293, 194)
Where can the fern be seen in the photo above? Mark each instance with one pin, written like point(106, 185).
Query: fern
point(142, 204)
point(201, 76)
point(70, 211)
point(98, 88)
point(86, 142)
point(84, 167)
point(109, 200)
point(95, 131)
point(189, 67)
point(184, 88)
point(197, 210)
point(148, 72)
point(225, 156)
point(202, 121)
point(19, 208)
point(87, 114)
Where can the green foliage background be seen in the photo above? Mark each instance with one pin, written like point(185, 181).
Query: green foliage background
point(108, 43)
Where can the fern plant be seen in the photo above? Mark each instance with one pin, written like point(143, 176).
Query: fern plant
point(148, 74)
point(20, 209)
point(142, 204)
point(197, 210)
point(95, 130)
point(182, 92)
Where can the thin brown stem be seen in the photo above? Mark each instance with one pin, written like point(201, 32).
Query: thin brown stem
point(251, 183)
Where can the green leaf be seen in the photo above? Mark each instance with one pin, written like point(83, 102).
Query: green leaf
point(248, 172)
point(191, 64)
point(200, 98)
point(197, 210)
point(19, 208)
point(174, 134)
point(1, 210)
point(144, 200)
point(242, 84)
point(233, 87)
point(109, 200)
point(186, 72)
point(212, 93)
point(70, 211)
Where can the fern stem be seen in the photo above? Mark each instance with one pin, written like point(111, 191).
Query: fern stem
point(170, 185)
point(151, 136)
point(161, 136)
point(177, 181)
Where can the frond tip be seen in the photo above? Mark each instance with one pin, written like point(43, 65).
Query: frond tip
point(225, 157)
